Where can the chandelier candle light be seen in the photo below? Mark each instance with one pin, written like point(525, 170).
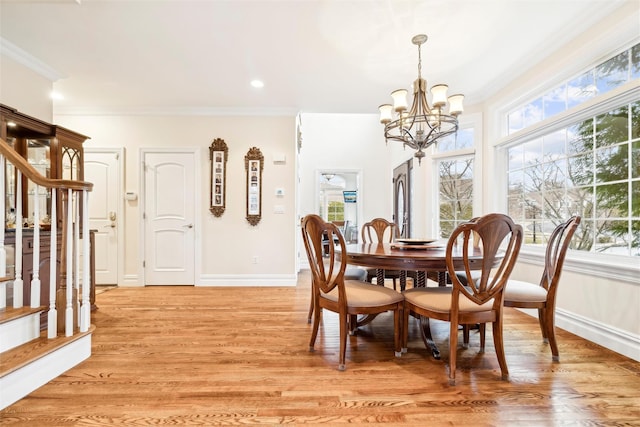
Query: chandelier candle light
point(422, 125)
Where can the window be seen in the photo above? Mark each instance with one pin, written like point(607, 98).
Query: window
point(455, 193)
point(590, 167)
point(596, 81)
point(335, 210)
point(455, 180)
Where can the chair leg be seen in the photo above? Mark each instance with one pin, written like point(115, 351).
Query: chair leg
point(343, 342)
point(483, 334)
point(550, 332)
point(405, 329)
point(453, 350)
point(397, 330)
point(310, 308)
point(465, 336)
point(543, 327)
point(499, 345)
point(353, 324)
point(317, 314)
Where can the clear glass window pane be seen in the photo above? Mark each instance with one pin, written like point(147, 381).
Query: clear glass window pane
point(612, 163)
point(581, 89)
point(533, 152)
point(555, 145)
point(612, 73)
point(532, 113)
point(635, 120)
point(612, 200)
point(580, 169)
point(555, 101)
point(461, 139)
point(514, 121)
point(612, 127)
point(516, 157)
point(635, 62)
point(455, 193)
point(515, 183)
point(580, 137)
point(635, 160)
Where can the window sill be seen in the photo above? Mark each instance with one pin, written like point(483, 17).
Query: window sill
point(608, 267)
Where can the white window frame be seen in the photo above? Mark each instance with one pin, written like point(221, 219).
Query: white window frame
point(599, 264)
point(466, 121)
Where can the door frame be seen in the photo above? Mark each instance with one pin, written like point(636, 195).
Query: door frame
point(120, 236)
point(197, 191)
point(405, 168)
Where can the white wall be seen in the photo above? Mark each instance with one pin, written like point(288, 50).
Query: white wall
point(229, 242)
point(25, 90)
point(351, 142)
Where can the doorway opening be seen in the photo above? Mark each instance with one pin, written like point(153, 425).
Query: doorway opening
point(339, 200)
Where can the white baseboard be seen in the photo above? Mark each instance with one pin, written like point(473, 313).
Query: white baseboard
point(25, 380)
point(614, 339)
point(248, 280)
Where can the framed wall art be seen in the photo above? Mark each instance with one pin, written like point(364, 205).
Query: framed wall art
point(218, 154)
point(253, 164)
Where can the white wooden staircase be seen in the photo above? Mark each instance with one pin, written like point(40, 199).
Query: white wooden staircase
point(39, 342)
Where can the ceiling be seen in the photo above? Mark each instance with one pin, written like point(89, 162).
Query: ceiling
point(327, 56)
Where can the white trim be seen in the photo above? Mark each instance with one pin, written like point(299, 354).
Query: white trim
point(613, 339)
point(12, 51)
point(246, 280)
point(618, 268)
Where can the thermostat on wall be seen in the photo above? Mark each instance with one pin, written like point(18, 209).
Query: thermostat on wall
point(130, 195)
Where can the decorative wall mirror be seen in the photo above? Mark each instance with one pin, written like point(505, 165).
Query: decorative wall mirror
point(218, 154)
point(253, 164)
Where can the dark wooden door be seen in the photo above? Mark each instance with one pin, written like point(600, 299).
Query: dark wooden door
point(402, 197)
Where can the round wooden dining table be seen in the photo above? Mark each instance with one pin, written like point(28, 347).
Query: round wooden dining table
point(420, 259)
point(424, 258)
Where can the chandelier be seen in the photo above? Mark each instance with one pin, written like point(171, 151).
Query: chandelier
point(423, 124)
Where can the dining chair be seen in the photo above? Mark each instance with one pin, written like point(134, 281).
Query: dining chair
point(542, 295)
point(481, 301)
point(348, 298)
point(379, 230)
point(350, 273)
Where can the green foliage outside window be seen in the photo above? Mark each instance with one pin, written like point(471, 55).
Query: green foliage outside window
point(335, 211)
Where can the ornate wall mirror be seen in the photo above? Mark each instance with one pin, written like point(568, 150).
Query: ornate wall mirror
point(253, 164)
point(218, 154)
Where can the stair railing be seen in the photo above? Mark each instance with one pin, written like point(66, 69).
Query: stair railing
point(74, 196)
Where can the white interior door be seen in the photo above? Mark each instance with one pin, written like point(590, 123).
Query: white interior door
point(103, 169)
point(169, 211)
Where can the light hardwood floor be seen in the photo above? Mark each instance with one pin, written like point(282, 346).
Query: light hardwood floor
point(216, 356)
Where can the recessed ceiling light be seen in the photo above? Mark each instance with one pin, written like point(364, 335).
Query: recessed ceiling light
point(257, 83)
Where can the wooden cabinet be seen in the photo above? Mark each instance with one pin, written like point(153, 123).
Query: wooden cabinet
point(54, 151)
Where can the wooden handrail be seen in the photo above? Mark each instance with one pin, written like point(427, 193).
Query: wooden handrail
point(32, 174)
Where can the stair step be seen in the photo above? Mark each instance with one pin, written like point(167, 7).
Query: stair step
point(16, 358)
point(9, 313)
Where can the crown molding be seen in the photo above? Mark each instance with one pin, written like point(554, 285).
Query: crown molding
point(12, 51)
point(171, 111)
